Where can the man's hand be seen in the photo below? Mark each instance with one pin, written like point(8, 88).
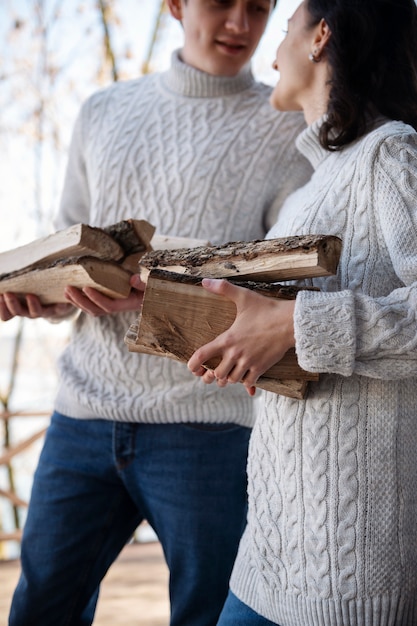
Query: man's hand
point(95, 303)
point(31, 307)
point(259, 337)
point(88, 300)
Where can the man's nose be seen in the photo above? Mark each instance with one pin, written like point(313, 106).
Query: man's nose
point(237, 19)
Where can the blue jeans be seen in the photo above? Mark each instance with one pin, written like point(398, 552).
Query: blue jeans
point(236, 613)
point(97, 480)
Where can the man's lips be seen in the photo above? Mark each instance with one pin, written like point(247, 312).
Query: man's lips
point(231, 47)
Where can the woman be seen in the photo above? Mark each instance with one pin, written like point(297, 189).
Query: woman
point(331, 536)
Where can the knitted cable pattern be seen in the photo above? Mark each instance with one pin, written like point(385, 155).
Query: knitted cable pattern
point(197, 156)
point(332, 506)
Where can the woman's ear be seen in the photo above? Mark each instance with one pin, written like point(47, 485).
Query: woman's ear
point(175, 8)
point(321, 38)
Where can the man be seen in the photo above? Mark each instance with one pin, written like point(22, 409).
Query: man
point(198, 152)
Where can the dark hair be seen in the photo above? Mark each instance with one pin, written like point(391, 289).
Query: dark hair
point(372, 54)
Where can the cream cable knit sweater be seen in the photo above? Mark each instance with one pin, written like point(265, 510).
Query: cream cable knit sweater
point(332, 533)
point(197, 156)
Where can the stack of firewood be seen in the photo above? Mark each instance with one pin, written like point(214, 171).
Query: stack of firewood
point(178, 315)
point(81, 256)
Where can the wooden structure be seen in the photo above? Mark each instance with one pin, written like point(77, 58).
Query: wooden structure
point(7, 455)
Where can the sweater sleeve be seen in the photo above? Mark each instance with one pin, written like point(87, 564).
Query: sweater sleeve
point(75, 199)
point(350, 332)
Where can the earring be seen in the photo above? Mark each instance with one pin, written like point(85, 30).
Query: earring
point(313, 57)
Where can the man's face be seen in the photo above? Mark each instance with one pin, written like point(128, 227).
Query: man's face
point(220, 36)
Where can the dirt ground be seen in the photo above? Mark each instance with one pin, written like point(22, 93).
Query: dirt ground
point(134, 592)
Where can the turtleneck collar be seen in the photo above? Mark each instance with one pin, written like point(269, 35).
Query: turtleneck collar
point(308, 143)
point(188, 81)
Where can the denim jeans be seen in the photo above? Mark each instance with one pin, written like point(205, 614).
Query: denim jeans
point(97, 480)
point(236, 613)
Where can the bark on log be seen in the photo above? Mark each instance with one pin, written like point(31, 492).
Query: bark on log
point(267, 260)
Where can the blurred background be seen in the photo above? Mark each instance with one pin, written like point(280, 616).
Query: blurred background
point(53, 55)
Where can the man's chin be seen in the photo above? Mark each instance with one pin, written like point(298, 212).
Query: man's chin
point(228, 65)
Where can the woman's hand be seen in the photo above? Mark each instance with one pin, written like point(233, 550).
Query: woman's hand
point(259, 337)
point(95, 303)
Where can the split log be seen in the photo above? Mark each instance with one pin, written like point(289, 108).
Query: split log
point(178, 316)
point(81, 256)
point(134, 236)
point(166, 242)
point(49, 283)
point(285, 258)
point(78, 240)
point(116, 243)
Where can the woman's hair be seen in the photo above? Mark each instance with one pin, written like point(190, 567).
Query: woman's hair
point(372, 54)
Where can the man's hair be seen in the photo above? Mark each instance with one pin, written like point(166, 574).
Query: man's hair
point(372, 54)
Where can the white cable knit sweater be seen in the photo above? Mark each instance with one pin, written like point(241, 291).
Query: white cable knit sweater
point(197, 156)
point(332, 533)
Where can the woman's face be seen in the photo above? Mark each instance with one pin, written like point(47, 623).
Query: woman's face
point(292, 62)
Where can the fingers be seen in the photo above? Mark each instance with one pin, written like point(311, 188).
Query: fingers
point(227, 372)
point(95, 303)
point(77, 298)
point(233, 367)
point(222, 287)
point(5, 312)
point(209, 376)
point(30, 306)
point(231, 371)
point(251, 390)
point(137, 283)
point(201, 356)
point(25, 306)
point(35, 308)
